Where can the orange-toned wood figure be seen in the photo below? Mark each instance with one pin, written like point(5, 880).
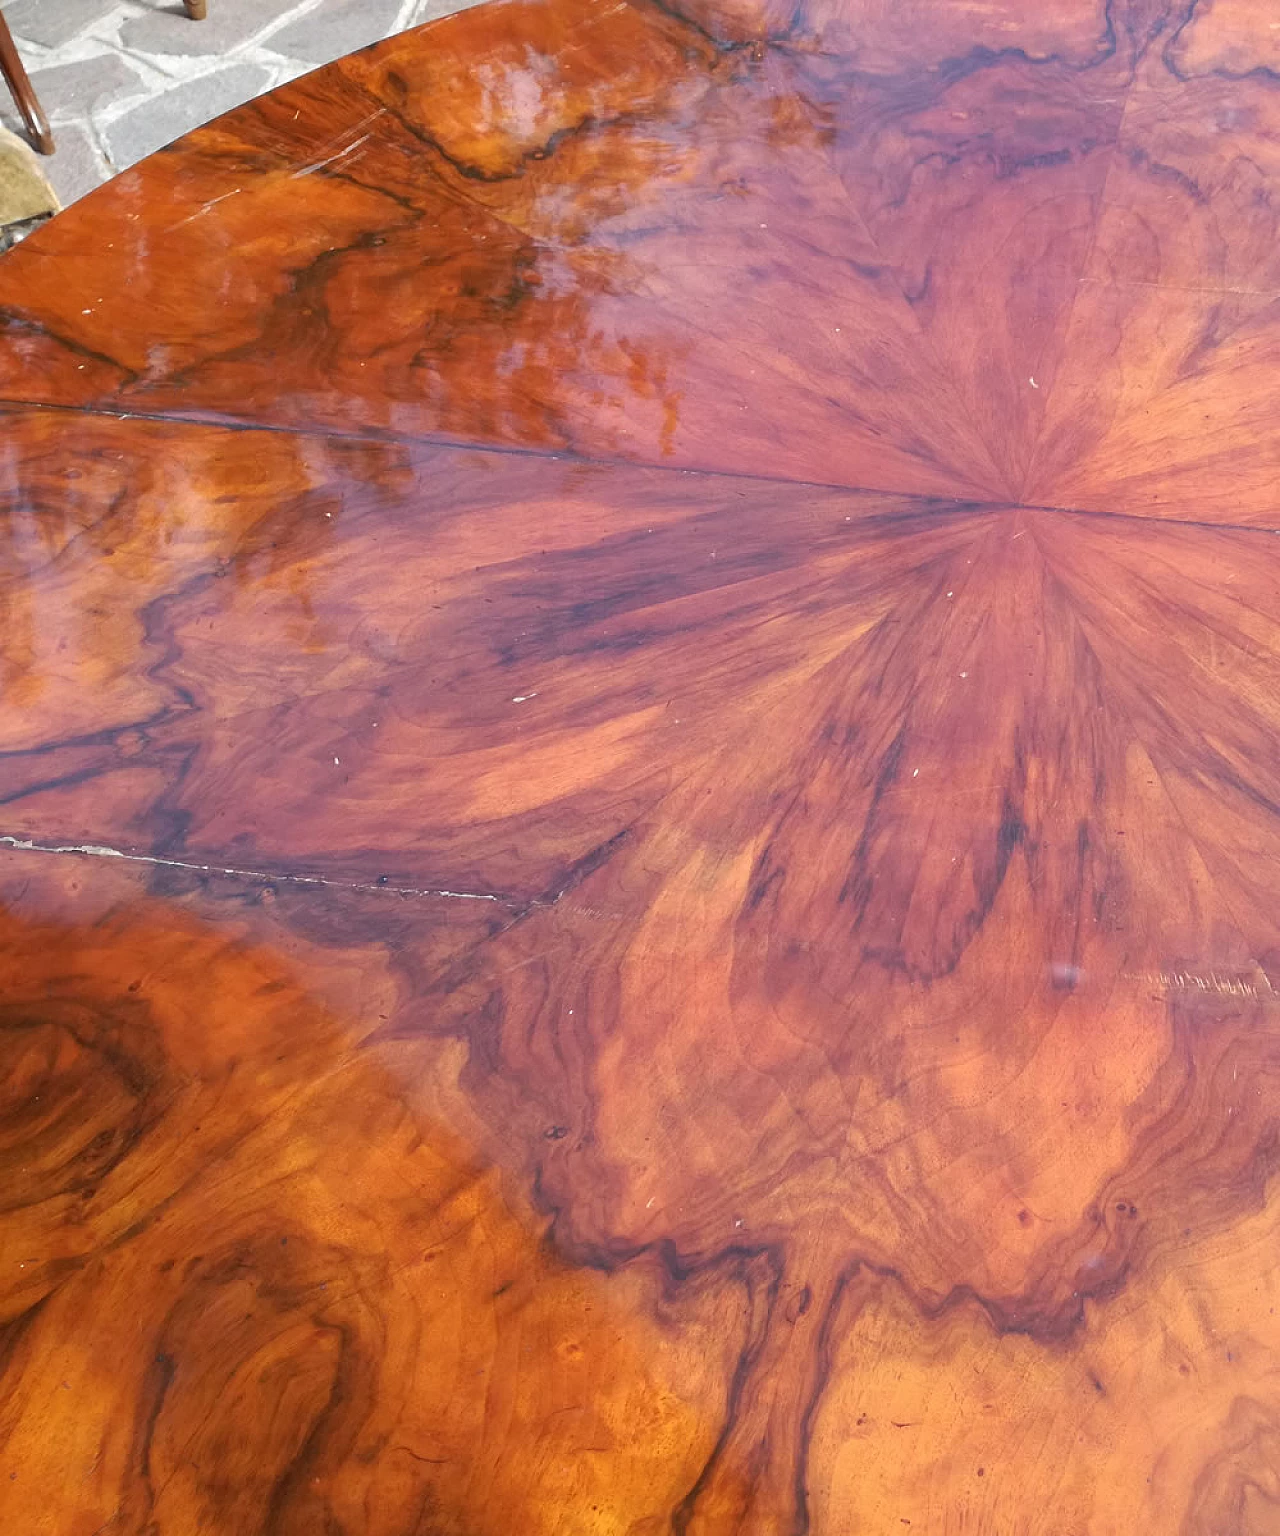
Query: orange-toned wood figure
point(640, 854)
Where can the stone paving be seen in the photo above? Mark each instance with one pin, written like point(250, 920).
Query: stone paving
point(120, 78)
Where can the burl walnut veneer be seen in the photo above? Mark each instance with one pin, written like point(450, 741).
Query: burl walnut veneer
point(640, 886)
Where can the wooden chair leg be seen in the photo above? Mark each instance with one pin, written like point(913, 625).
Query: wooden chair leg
point(195, 9)
point(15, 74)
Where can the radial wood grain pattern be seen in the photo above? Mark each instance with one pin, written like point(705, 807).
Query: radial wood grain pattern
point(640, 852)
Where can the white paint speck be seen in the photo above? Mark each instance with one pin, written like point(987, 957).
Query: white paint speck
point(336, 762)
point(964, 674)
point(1034, 385)
point(915, 773)
point(523, 698)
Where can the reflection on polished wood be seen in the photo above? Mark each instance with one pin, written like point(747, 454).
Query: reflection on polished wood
point(640, 886)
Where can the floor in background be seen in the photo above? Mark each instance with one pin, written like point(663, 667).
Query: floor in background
point(120, 78)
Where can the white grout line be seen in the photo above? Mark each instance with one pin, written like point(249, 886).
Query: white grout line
point(162, 73)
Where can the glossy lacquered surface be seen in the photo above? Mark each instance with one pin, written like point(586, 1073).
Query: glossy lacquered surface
point(641, 812)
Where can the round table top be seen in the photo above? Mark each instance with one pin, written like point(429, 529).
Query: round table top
point(641, 842)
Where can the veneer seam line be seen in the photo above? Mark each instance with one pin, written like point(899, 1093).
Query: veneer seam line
point(101, 851)
point(10, 405)
point(1068, 318)
point(952, 504)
